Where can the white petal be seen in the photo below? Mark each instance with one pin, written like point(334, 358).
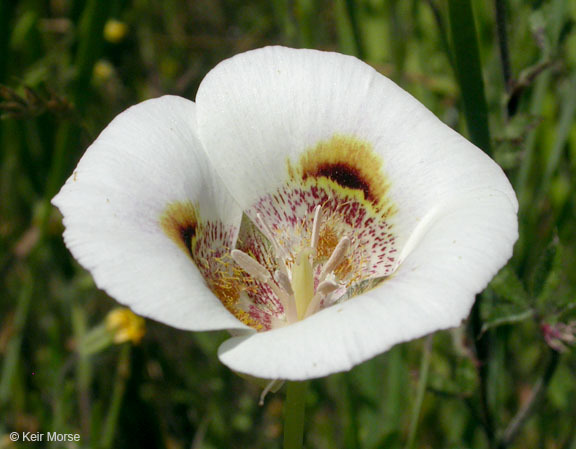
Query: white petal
point(464, 245)
point(148, 158)
point(262, 109)
point(454, 214)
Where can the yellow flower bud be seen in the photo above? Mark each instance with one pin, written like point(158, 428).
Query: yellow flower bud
point(125, 325)
point(115, 31)
point(103, 70)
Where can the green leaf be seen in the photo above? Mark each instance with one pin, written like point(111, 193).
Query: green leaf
point(557, 291)
point(543, 267)
point(457, 379)
point(507, 285)
point(511, 317)
point(510, 303)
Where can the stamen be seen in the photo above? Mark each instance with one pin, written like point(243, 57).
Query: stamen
point(250, 265)
point(306, 271)
point(323, 290)
point(258, 272)
point(327, 287)
point(280, 255)
point(316, 227)
point(283, 281)
point(337, 257)
point(270, 235)
point(286, 301)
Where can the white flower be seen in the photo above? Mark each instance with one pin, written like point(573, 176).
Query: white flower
point(305, 203)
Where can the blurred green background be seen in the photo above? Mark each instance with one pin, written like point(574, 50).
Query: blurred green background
point(507, 379)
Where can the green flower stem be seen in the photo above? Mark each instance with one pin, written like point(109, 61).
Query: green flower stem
point(351, 431)
point(294, 414)
point(422, 382)
point(95, 340)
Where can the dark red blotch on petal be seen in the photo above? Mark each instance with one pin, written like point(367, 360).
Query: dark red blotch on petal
point(344, 175)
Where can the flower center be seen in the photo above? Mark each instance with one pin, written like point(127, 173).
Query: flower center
point(303, 285)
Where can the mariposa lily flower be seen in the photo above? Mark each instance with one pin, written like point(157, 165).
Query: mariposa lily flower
point(304, 202)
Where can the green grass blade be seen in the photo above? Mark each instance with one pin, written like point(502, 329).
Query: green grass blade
point(522, 184)
point(90, 41)
point(112, 418)
point(565, 125)
point(352, 11)
point(14, 348)
point(466, 55)
point(306, 17)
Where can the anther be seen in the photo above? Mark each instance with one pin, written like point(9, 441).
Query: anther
point(323, 290)
point(250, 265)
point(270, 235)
point(281, 255)
point(283, 281)
point(327, 287)
point(258, 272)
point(316, 227)
point(337, 257)
point(286, 301)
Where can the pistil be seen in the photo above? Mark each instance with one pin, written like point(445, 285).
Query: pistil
point(324, 289)
point(302, 282)
point(250, 266)
point(260, 273)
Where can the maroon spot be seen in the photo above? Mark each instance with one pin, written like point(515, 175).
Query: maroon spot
point(343, 175)
point(187, 233)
